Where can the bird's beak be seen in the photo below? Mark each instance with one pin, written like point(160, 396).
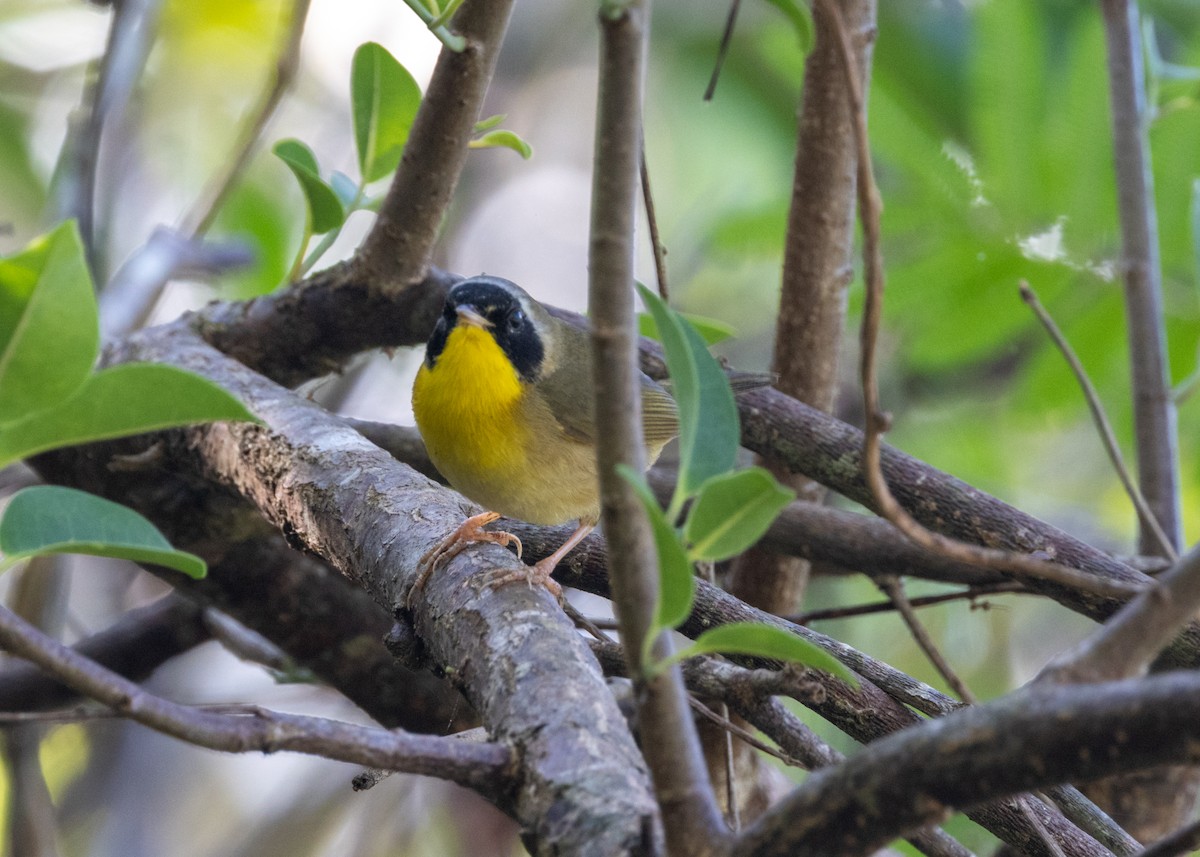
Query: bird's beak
point(469, 315)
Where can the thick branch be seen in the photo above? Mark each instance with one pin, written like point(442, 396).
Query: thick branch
point(1026, 740)
point(397, 251)
point(533, 681)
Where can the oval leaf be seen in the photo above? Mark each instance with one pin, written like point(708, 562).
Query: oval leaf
point(503, 139)
point(676, 584)
point(384, 99)
point(764, 641)
point(48, 519)
point(123, 400)
point(732, 512)
point(49, 326)
point(325, 211)
point(708, 418)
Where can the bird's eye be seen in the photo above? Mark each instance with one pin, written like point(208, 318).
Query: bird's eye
point(516, 320)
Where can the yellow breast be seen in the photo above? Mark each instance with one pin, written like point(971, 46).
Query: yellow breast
point(466, 407)
point(477, 419)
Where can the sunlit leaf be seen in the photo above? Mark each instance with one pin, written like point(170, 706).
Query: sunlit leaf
point(384, 100)
point(49, 327)
point(325, 209)
point(764, 641)
point(732, 512)
point(129, 399)
point(48, 519)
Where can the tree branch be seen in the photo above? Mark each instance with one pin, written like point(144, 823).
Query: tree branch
point(133, 648)
point(396, 253)
point(485, 767)
point(1153, 407)
point(1025, 740)
point(690, 817)
point(342, 498)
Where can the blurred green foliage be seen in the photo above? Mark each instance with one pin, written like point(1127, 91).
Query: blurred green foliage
point(991, 137)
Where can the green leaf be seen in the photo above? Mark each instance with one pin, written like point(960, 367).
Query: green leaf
point(123, 400)
point(764, 641)
point(732, 512)
point(708, 418)
point(325, 209)
point(49, 326)
point(503, 139)
point(489, 123)
point(711, 330)
point(384, 100)
point(48, 519)
point(677, 585)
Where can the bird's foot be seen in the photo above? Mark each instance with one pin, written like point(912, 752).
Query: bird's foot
point(468, 533)
point(538, 574)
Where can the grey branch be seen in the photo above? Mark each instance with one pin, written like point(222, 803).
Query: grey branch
point(343, 498)
point(485, 767)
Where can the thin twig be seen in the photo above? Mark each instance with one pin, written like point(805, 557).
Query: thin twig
point(1153, 408)
point(924, 601)
point(877, 421)
point(465, 763)
point(1149, 521)
point(732, 728)
point(895, 591)
point(722, 49)
point(656, 245)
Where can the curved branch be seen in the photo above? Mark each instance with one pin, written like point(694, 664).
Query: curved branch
point(484, 767)
point(1027, 740)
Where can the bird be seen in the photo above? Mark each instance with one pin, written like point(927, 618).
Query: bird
point(504, 403)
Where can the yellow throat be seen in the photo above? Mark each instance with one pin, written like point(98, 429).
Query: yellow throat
point(466, 405)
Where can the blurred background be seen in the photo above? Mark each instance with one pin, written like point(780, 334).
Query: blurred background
point(990, 128)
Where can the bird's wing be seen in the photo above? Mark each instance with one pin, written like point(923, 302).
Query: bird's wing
point(568, 392)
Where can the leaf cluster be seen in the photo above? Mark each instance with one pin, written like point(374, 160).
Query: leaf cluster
point(729, 509)
point(51, 397)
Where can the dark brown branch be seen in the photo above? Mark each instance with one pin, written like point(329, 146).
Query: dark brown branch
point(973, 594)
point(1153, 407)
point(484, 767)
point(1026, 740)
point(397, 251)
point(690, 817)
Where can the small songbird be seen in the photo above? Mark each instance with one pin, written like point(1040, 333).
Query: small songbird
point(504, 403)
